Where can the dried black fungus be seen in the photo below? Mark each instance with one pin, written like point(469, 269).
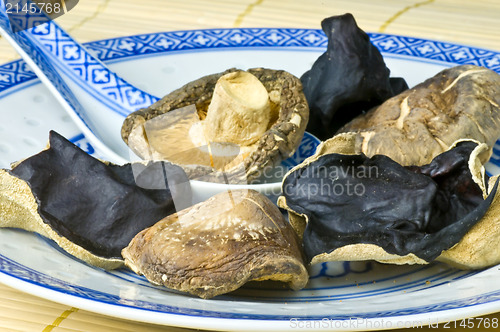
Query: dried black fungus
point(352, 199)
point(349, 78)
point(97, 206)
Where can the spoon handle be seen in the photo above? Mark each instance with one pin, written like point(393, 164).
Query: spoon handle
point(96, 98)
point(72, 59)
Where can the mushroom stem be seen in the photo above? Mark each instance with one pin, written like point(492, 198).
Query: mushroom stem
point(240, 110)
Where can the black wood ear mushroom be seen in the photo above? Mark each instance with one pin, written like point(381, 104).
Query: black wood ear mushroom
point(90, 208)
point(354, 208)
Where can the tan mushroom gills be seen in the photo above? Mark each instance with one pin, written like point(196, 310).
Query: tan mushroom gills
point(177, 136)
point(240, 110)
point(238, 115)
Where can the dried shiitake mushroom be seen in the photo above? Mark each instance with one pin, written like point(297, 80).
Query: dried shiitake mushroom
point(90, 209)
point(418, 124)
point(218, 245)
point(241, 123)
point(347, 206)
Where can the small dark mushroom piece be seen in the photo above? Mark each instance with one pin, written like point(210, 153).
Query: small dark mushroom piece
point(352, 207)
point(417, 125)
point(225, 127)
point(348, 79)
point(218, 245)
point(89, 208)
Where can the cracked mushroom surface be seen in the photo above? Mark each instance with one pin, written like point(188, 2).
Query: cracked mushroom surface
point(223, 127)
point(418, 124)
point(218, 245)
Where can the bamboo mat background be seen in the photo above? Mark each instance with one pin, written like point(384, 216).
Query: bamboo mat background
point(475, 23)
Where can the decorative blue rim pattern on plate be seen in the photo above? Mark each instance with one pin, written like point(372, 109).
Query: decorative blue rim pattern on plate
point(16, 270)
point(15, 74)
point(50, 41)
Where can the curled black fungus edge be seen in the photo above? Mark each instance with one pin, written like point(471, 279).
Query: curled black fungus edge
point(161, 200)
point(458, 229)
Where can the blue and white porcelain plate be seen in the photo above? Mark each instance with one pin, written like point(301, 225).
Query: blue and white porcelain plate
point(339, 296)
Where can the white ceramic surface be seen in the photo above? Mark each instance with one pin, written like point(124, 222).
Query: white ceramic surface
point(339, 296)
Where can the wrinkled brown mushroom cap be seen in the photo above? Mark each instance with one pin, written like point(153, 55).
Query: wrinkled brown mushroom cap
point(418, 124)
point(218, 245)
point(276, 144)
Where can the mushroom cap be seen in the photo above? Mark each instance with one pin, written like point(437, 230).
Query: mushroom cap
point(416, 125)
point(218, 245)
point(276, 144)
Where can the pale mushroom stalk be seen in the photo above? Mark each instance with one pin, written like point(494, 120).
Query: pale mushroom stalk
point(240, 110)
point(238, 114)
